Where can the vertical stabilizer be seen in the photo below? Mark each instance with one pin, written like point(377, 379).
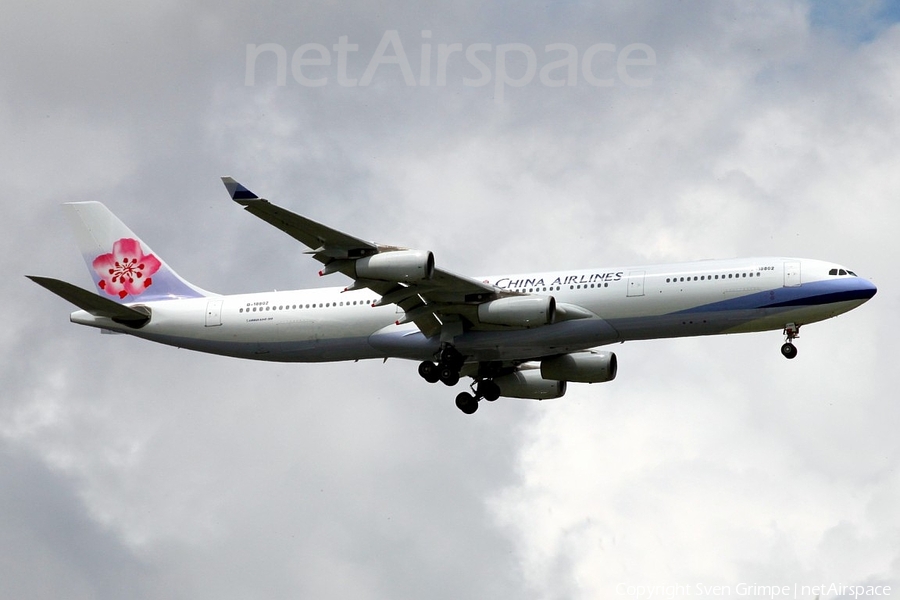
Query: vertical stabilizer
point(122, 266)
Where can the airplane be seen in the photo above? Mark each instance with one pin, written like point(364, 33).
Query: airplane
point(517, 336)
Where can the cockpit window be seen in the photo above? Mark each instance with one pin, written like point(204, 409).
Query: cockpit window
point(842, 272)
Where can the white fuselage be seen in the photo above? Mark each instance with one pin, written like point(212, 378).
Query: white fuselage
point(614, 305)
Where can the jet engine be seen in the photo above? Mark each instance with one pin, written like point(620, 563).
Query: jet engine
point(529, 384)
point(519, 311)
point(400, 265)
point(583, 367)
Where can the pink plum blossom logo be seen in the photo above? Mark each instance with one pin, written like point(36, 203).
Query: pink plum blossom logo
point(126, 270)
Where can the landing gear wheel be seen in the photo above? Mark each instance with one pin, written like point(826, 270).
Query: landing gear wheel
point(429, 371)
point(488, 390)
point(449, 376)
point(466, 402)
point(791, 332)
point(788, 350)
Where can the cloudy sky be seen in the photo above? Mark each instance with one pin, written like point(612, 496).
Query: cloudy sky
point(697, 130)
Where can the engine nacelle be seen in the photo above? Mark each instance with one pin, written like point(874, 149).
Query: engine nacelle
point(529, 384)
point(583, 367)
point(400, 265)
point(519, 311)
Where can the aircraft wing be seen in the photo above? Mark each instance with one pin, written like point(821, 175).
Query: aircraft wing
point(323, 240)
point(427, 301)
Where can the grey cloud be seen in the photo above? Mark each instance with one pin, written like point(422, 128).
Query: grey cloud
point(165, 473)
point(53, 547)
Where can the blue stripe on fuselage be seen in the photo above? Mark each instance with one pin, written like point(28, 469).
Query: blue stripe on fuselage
point(816, 293)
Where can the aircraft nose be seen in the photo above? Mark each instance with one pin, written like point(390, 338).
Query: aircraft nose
point(866, 289)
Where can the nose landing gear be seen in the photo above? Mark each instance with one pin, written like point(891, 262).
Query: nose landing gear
point(791, 332)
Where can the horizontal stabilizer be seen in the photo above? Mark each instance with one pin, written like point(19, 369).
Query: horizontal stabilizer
point(92, 303)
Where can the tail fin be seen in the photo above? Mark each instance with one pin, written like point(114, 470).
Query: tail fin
point(120, 264)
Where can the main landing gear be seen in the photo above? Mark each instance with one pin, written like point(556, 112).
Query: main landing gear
point(483, 388)
point(446, 370)
point(791, 332)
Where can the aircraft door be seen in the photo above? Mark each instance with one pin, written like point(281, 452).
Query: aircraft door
point(214, 313)
point(792, 273)
point(635, 283)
